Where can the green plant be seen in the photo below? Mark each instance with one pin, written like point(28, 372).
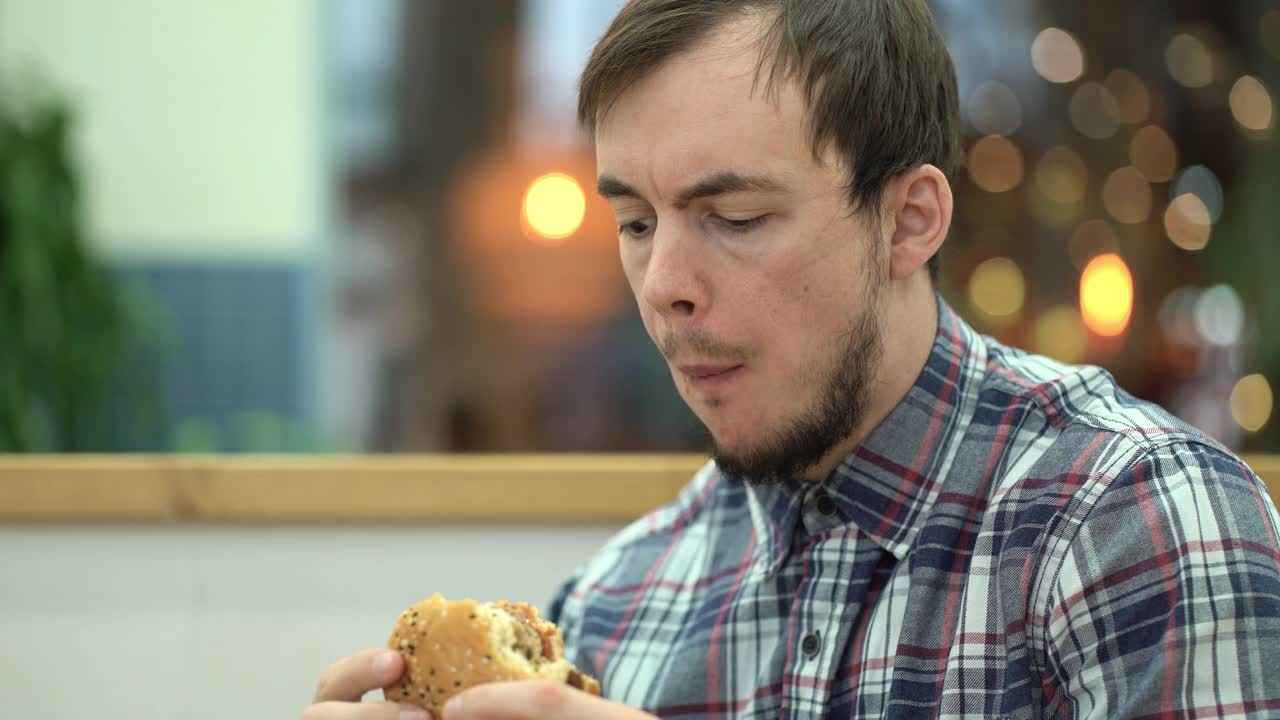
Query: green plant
point(62, 323)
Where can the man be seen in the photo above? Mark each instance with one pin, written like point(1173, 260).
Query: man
point(903, 519)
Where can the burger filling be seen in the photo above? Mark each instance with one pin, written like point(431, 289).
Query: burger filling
point(522, 637)
point(532, 641)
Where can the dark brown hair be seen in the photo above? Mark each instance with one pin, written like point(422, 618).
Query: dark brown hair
point(878, 79)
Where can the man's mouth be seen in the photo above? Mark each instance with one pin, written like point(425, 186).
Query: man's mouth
point(700, 375)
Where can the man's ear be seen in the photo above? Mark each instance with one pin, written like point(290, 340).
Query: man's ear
point(918, 205)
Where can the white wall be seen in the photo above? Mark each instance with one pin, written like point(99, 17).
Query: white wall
point(200, 122)
point(210, 623)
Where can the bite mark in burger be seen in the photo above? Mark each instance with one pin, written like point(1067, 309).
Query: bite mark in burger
point(449, 646)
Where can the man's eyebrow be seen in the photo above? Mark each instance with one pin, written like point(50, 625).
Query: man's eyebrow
point(611, 187)
point(724, 182)
point(719, 183)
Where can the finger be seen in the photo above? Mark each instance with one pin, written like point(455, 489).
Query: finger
point(364, 711)
point(534, 700)
point(351, 677)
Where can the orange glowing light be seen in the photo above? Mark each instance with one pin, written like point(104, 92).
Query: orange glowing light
point(509, 271)
point(1106, 295)
point(554, 206)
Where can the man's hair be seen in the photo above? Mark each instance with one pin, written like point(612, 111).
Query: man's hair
point(878, 80)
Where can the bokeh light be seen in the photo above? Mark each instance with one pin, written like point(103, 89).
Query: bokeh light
point(1052, 214)
point(1251, 402)
point(1060, 334)
point(1106, 295)
point(1091, 239)
point(997, 288)
point(1131, 94)
point(994, 109)
point(1127, 196)
point(1152, 151)
point(1251, 103)
point(1187, 223)
point(1201, 182)
point(1189, 61)
point(1219, 315)
point(1061, 175)
point(554, 206)
point(1058, 187)
point(995, 164)
point(1057, 56)
point(1094, 112)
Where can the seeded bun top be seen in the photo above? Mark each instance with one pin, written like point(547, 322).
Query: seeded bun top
point(449, 646)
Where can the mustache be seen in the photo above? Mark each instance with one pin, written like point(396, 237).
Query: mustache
point(700, 343)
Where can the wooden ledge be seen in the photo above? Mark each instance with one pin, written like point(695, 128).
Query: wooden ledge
point(356, 489)
point(359, 489)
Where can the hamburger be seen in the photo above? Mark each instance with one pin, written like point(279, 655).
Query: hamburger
point(451, 645)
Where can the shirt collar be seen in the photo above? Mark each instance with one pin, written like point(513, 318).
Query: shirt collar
point(886, 487)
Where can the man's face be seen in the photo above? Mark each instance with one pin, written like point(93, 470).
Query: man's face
point(752, 273)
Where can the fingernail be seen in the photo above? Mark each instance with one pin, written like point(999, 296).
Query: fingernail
point(413, 713)
point(382, 663)
point(453, 707)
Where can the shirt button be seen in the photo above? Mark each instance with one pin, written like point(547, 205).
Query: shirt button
point(810, 645)
point(826, 505)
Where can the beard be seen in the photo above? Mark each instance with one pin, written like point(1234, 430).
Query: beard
point(845, 390)
point(844, 393)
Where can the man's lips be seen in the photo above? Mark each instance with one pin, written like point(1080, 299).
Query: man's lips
point(706, 375)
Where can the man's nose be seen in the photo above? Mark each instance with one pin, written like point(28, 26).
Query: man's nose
point(673, 284)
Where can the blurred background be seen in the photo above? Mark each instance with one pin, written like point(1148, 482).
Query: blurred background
point(322, 226)
point(368, 225)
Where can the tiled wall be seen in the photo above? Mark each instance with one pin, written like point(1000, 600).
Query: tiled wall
point(227, 347)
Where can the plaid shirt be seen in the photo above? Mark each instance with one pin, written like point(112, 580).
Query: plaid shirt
point(1018, 539)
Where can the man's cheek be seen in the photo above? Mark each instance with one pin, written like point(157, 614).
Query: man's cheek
point(652, 325)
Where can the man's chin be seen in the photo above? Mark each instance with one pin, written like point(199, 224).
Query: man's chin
point(747, 466)
point(720, 446)
point(743, 459)
point(782, 457)
point(735, 446)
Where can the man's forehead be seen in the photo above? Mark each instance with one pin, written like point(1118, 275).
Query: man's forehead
point(667, 147)
point(725, 65)
point(706, 109)
point(670, 163)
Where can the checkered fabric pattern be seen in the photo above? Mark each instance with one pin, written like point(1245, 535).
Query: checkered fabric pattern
point(1018, 539)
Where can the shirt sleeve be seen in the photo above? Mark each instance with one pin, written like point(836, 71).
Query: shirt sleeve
point(1168, 597)
point(555, 610)
point(566, 612)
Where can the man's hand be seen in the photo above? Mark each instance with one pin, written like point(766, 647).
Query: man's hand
point(343, 684)
point(535, 700)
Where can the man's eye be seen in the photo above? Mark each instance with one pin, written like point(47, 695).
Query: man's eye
point(742, 226)
point(635, 230)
